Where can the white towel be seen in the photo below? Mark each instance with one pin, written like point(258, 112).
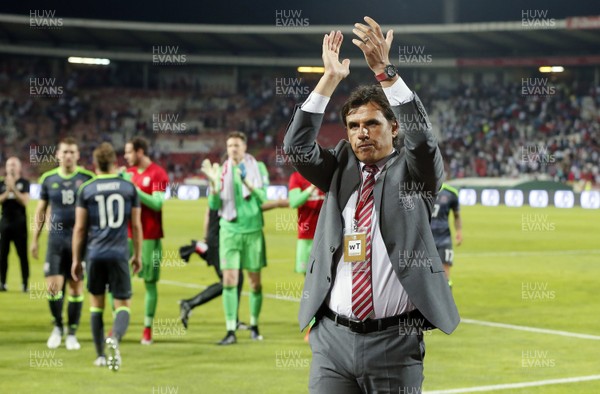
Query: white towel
point(228, 209)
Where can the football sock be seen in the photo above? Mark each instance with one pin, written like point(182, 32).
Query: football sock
point(97, 325)
point(56, 304)
point(202, 249)
point(211, 292)
point(255, 305)
point(230, 306)
point(151, 300)
point(74, 312)
point(121, 322)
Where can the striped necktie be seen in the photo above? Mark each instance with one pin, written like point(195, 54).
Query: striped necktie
point(362, 290)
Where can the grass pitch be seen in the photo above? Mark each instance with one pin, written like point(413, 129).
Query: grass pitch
point(526, 267)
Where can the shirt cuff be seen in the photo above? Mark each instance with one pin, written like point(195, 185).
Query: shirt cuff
point(398, 93)
point(315, 103)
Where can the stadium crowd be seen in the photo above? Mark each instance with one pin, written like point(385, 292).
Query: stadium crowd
point(486, 130)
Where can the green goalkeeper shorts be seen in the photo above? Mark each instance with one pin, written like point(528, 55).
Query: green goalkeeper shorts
point(244, 250)
point(151, 259)
point(303, 247)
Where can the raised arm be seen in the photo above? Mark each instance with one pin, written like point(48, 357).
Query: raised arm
point(422, 153)
point(212, 172)
point(314, 162)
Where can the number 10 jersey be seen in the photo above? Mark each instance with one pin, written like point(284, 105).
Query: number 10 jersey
point(108, 200)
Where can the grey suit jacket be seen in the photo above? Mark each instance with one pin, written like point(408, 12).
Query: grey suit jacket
point(404, 213)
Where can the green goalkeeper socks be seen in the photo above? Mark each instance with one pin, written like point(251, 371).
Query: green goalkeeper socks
point(255, 305)
point(230, 306)
point(151, 300)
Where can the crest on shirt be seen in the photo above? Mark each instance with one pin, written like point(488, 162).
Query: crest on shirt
point(78, 183)
point(443, 199)
point(146, 181)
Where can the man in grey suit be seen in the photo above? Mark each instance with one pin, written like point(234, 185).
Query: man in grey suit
point(374, 279)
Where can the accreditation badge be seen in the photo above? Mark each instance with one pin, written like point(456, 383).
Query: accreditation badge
point(355, 245)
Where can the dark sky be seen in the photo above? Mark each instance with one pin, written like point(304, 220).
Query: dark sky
point(317, 11)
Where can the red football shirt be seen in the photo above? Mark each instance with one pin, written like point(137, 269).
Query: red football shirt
point(308, 213)
point(153, 179)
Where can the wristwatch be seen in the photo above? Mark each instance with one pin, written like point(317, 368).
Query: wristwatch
point(389, 72)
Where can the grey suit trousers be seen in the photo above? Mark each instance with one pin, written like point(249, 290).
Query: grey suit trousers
point(344, 362)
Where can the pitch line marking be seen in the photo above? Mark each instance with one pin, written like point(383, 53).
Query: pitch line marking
point(531, 329)
point(508, 386)
point(468, 321)
point(533, 253)
point(463, 320)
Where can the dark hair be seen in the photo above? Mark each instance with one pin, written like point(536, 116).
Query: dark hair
point(139, 143)
point(236, 134)
point(104, 156)
point(367, 94)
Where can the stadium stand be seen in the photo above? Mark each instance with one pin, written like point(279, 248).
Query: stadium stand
point(485, 129)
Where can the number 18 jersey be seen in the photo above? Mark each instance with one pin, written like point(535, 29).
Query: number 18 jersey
point(108, 200)
point(60, 191)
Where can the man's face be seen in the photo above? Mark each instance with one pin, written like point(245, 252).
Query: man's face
point(13, 167)
point(131, 156)
point(68, 155)
point(236, 149)
point(370, 133)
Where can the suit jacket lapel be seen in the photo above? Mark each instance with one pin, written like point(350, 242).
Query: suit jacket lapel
point(349, 182)
point(378, 194)
point(378, 190)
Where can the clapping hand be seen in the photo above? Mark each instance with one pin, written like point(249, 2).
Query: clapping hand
point(375, 46)
point(335, 71)
point(10, 181)
point(332, 43)
point(212, 172)
point(242, 171)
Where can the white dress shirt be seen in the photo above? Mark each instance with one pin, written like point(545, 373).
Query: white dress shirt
point(396, 94)
point(389, 296)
